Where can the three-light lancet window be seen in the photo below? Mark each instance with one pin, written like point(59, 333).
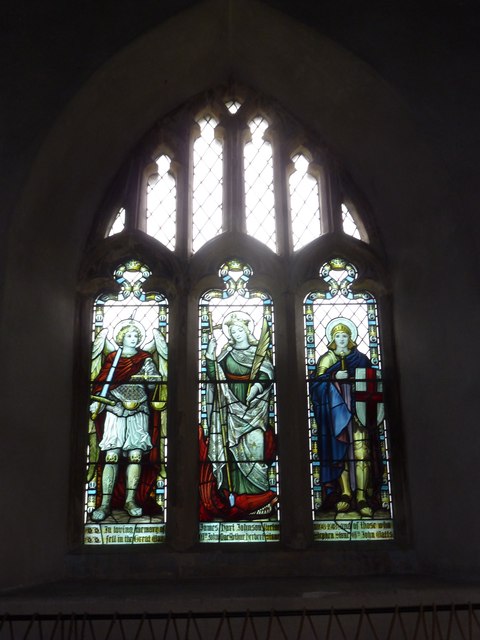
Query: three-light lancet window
point(254, 211)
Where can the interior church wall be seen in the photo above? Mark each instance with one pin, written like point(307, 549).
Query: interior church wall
point(58, 170)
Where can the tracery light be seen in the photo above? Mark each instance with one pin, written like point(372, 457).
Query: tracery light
point(233, 106)
point(304, 203)
point(162, 203)
point(118, 224)
point(259, 197)
point(349, 225)
point(207, 184)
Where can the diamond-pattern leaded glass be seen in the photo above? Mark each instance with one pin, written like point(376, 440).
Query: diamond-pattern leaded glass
point(351, 496)
point(118, 223)
point(233, 106)
point(304, 204)
point(162, 204)
point(207, 184)
point(238, 460)
point(125, 492)
point(349, 226)
point(259, 198)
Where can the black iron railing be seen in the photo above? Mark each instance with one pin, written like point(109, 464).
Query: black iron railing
point(432, 622)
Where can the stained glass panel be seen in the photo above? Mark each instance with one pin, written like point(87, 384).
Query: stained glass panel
point(349, 225)
point(207, 184)
point(259, 199)
point(304, 204)
point(125, 492)
point(162, 204)
point(349, 456)
point(238, 459)
point(118, 223)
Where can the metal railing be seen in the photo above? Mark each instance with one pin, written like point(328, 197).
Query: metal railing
point(432, 622)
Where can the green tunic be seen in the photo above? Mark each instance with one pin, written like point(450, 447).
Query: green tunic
point(231, 367)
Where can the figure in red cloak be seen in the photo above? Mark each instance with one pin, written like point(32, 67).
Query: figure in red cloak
point(126, 425)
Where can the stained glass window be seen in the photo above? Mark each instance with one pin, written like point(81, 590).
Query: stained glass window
point(259, 198)
point(125, 492)
point(118, 223)
point(207, 184)
point(162, 203)
point(243, 169)
point(238, 460)
point(348, 223)
point(304, 203)
point(349, 452)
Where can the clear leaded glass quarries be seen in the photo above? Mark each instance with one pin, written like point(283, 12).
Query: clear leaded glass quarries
point(259, 195)
point(207, 183)
point(162, 203)
point(348, 223)
point(304, 203)
point(118, 224)
point(232, 165)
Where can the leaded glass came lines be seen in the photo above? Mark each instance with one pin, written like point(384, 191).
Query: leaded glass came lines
point(257, 164)
point(304, 204)
point(350, 467)
point(240, 168)
point(125, 491)
point(349, 226)
point(118, 224)
point(259, 197)
point(162, 204)
point(207, 184)
point(238, 460)
point(233, 106)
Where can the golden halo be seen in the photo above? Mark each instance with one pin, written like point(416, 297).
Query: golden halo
point(131, 323)
point(336, 321)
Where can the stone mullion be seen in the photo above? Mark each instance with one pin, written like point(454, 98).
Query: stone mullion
point(281, 163)
point(136, 194)
point(331, 198)
point(182, 168)
point(182, 505)
point(294, 469)
point(233, 175)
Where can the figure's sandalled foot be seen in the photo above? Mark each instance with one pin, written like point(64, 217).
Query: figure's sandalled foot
point(133, 509)
point(343, 505)
point(100, 514)
point(364, 509)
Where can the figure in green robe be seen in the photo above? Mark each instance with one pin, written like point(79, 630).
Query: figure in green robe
point(239, 406)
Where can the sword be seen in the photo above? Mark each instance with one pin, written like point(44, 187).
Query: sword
point(103, 394)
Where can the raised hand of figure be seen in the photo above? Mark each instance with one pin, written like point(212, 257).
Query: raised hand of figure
point(341, 375)
point(211, 349)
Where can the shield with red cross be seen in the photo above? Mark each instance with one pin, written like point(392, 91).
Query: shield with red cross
point(368, 394)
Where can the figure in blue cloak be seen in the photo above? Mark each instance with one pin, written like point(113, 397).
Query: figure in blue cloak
point(349, 453)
